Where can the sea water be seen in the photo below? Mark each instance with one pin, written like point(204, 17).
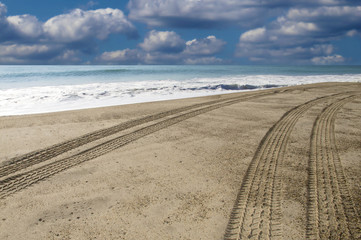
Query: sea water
point(40, 89)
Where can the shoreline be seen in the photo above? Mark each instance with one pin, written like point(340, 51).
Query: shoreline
point(162, 100)
point(50, 98)
point(180, 173)
point(150, 100)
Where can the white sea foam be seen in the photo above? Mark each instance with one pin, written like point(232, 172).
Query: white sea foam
point(47, 97)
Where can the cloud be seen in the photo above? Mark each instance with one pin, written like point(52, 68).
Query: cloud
point(62, 39)
point(196, 14)
point(203, 61)
point(204, 47)
point(80, 25)
point(333, 20)
point(167, 42)
point(21, 28)
point(3, 10)
point(328, 60)
point(25, 26)
point(279, 31)
point(164, 47)
point(302, 35)
point(214, 13)
point(254, 35)
point(351, 33)
point(88, 5)
point(126, 56)
point(27, 53)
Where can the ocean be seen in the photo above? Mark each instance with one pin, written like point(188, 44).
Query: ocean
point(40, 89)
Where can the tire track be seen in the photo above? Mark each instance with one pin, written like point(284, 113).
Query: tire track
point(331, 213)
point(18, 182)
point(257, 210)
point(45, 154)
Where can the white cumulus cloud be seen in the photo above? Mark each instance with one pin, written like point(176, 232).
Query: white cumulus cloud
point(81, 25)
point(214, 13)
point(163, 41)
point(25, 53)
point(63, 38)
point(26, 26)
point(302, 35)
point(328, 59)
point(196, 13)
point(165, 47)
point(126, 56)
point(206, 46)
point(254, 35)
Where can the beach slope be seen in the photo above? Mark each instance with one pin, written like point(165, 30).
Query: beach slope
point(280, 163)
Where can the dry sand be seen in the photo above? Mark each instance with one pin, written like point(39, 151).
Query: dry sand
point(252, 165)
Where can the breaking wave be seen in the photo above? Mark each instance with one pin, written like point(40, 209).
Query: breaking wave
point(26, 90)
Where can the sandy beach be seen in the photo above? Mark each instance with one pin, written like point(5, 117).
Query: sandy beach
point(280, 163)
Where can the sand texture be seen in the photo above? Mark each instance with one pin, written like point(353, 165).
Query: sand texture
point(280, 163)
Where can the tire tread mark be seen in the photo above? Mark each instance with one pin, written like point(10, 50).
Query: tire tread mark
point(20, 181)
point(331, 213)
point(257, 210)
point(38, 156)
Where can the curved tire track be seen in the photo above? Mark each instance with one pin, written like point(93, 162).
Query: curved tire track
point(45, 154)
point(18, 182)
point(331, 213)
point(257, 210)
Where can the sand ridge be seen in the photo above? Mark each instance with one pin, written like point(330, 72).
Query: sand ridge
point(202, 168)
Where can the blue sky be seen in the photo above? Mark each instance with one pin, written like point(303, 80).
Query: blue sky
point(180, 32)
